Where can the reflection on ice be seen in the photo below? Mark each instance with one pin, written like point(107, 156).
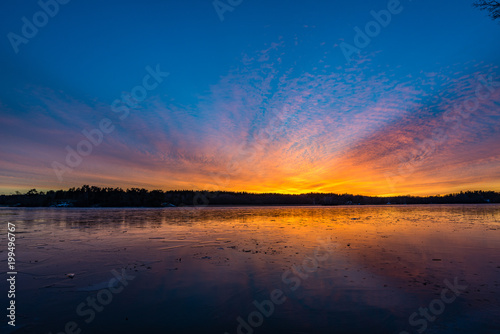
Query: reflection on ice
point(207, 270)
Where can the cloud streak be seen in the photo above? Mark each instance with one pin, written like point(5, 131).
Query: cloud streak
point(270, 127)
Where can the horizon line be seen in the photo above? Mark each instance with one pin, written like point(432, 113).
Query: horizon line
point(254, 193)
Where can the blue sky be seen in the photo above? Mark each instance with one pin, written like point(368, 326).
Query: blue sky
point(229, 79)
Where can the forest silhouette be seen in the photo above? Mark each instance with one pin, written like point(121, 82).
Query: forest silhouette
point(92, 196)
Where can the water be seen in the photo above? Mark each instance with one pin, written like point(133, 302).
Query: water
point(356, 269)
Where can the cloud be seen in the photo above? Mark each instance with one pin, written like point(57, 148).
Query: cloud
point(266, 126)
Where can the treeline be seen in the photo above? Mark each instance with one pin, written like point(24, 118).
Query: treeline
point(91, 196)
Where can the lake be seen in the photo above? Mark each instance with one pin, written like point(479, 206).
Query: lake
point(346, 269)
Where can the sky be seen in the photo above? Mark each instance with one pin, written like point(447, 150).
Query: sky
point(363, 97)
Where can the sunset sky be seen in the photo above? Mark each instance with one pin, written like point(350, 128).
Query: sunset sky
point(259, 97)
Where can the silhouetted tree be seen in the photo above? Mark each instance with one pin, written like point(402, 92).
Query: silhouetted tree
point(491, 6)
point(88, 196)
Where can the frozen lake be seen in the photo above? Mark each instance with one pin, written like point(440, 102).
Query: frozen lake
point(355, 269)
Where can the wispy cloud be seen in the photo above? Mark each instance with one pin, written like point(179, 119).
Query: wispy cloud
point(267, 126)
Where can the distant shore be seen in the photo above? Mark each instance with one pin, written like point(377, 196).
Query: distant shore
point(92, 196)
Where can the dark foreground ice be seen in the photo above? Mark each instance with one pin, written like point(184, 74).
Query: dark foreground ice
point(356, 269)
